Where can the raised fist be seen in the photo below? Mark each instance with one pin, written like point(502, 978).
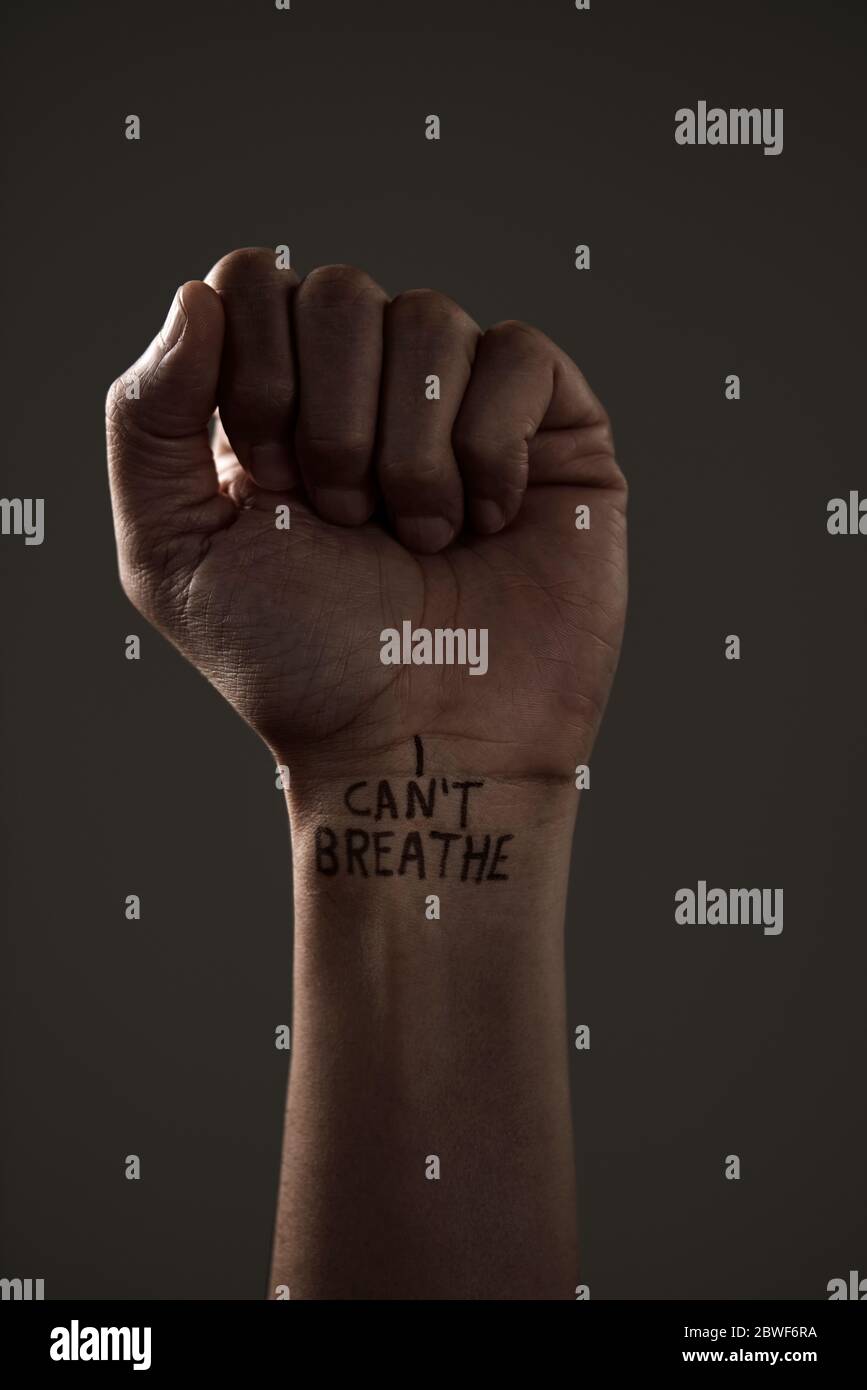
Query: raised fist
point(375, 462)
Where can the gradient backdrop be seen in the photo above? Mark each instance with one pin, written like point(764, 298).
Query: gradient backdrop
point(307, 128)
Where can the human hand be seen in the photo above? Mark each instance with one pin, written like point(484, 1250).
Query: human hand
point(449, 513)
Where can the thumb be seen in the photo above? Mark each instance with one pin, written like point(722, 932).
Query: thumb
point(163, 480)
point(160, 463)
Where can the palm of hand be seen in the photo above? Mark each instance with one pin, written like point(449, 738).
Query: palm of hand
point(287, 624)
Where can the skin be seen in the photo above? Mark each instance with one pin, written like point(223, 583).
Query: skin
point(409, 1038)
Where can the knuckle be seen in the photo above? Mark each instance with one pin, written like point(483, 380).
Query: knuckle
point(253, 403)
point(245, 264)
point(619, 482)
point(426, 468)
point(336, 286)
point(490, 454)
point(517, 345)
point(518, 332)
point(425, 306)
point(597, 437)
point(606, 434)
point(350, 449)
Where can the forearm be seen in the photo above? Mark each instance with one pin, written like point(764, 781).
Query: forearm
point(428, 1147)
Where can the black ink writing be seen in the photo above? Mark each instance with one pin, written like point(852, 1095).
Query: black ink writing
point(478, 856)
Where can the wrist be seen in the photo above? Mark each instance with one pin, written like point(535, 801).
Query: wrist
point(422, 819)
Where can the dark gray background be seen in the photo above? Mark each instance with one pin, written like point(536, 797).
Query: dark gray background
point(306, 128)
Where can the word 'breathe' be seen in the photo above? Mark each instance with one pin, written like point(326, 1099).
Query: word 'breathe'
point(365, 852)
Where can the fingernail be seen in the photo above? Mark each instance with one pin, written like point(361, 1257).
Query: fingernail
point(342, 505)
point(425, 533)
point(176, 322)
point(271, 467)
point(487, 516)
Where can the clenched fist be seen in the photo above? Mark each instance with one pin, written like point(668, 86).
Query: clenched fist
point(449, 506)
